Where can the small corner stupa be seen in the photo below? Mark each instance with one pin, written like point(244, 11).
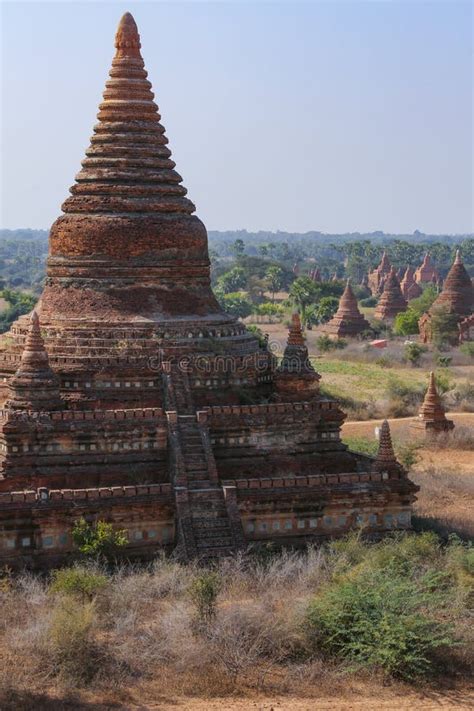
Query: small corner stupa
point(385, 461)
point(392, 301)
point(457, 298)
point(377, 277)
point(296, 375)
point(347, 321)
point(410, 288)
point(34, 387)
point(431, 418)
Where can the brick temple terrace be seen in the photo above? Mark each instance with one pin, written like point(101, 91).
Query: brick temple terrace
point(122, 393)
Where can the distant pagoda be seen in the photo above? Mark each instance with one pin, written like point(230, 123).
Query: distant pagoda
point(392, 301)
point(376, 278)
point(426, 272)
point(432, 418)
point(410, 288)
point(347, 321)
point(456, 298)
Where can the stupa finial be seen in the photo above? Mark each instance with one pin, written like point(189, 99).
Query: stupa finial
point(127, 39)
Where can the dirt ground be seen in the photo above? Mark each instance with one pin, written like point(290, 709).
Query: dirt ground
point(386, 699)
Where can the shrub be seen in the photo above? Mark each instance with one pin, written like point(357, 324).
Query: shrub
point(269, 309)
point(98, 539)
point(406, 323)
point(78, 581)
point(326, 344)
point(443, 361)
point(407, 454)
point(381, 618)
point(369, 302)
point(413, 353)
point(262, 337)
point(204, 590)
point(467, 348)
point(383, 362)
point(73, 651)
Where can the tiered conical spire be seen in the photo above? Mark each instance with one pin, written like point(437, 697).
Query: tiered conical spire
point(128, 246)
point(348, 321)
point(386, 461)
point(295, 332)
point(408, 285)
point(458, 293)
point(128, 167)
point(34, 386)
point(426, 272)
point(295, 357)
point(377, 278)
point(392, 301)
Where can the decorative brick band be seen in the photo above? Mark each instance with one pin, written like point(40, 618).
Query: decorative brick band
point(272, 408)
point(307, 481)
point(43, 495)
point(81, 415)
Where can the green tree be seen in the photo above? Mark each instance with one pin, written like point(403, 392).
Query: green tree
point(303, 292)
point(406, 323)
point(238, 248)
point(326, 308)
point(98, 539)
point(444, 325)
point(274, 276)
point(237, 304)
point(233, 280)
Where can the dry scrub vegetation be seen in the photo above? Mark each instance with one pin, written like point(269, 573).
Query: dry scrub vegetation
point(294, 622)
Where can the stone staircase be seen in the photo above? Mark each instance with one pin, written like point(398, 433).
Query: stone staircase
point(207, 527)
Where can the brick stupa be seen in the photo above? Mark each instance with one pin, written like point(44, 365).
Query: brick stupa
point(377, 278)
point(392, 301)
point(457, 298)
point(426, 272)
point(34, 387)
point(432, 418)
point(347, 321)
point(158, 412)
point(410, 288)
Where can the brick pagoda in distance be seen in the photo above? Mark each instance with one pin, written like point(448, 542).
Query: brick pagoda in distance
point(457, 300)
point(348, 320)
point(392, 301)
point(123, 392)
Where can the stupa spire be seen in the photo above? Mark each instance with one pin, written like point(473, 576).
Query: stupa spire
point(34, 386)
point(385, 460)
point(410, 288)
point(348, 320)
point(392, 301)
point(296, 377)
point(431, 416)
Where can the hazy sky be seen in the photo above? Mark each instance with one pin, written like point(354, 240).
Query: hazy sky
point(331, 116)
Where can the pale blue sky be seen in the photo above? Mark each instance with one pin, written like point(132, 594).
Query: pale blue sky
point(331, 116)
